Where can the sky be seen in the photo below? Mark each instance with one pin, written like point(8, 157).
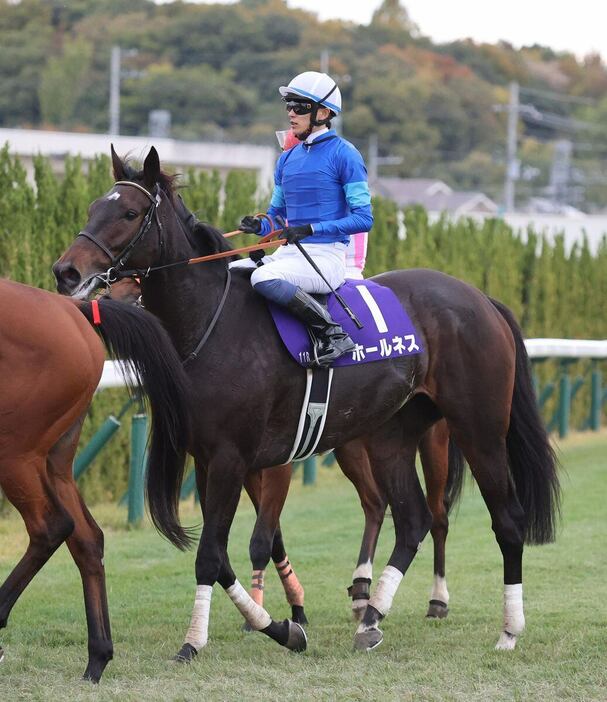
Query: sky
point(580, 26)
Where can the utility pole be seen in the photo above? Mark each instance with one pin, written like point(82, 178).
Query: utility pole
point(115, 91)
point(116, 73)
point(512, 164)
point(324, 61)
point(374, 160)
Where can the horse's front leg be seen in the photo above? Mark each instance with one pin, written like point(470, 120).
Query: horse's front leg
point(221, 496)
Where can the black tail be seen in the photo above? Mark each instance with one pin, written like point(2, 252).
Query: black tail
point(533, 463)
point(455, 476)
point(137, 338)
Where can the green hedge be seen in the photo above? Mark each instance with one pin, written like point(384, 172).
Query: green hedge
point(553, 293)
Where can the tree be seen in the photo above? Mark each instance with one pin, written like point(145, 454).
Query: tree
point(63, 81)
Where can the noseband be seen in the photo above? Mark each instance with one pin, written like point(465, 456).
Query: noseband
point(119, 261)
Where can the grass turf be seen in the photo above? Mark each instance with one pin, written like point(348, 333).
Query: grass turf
point(151, 588)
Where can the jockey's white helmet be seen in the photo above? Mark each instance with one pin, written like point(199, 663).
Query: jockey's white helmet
point(316, 86)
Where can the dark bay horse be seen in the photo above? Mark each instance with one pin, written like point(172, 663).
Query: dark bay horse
point(443, 467)
point(51, 360)
point(247, 392)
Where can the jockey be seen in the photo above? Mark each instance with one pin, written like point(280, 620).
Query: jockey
point(320, 187)
point(356, 253)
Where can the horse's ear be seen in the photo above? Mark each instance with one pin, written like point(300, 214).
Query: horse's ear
point(151, 169)
point(118, 166)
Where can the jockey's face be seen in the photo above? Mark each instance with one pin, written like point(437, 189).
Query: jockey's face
point(301, 123)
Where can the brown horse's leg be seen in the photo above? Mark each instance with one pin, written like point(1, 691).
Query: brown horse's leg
point(268, 491)
point(434, 454)
point(25, 484)
point(391, 451)
point(354, 463)
point(86, 546)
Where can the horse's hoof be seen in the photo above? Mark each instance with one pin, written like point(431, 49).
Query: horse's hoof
point(368, 640)
point(506, 642)
point(186, 654)
point(90, 677)
point(297, 641)
point(298, 615)
point(247, 628)
point(1, 654)
point(437, 610)
point(359, 608)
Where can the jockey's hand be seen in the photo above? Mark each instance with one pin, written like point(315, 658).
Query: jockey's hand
point(250, 225)
point(295, 234)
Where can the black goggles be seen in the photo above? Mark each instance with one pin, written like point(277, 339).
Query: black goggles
point(300, 107)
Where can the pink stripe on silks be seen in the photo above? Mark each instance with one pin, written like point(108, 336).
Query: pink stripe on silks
point(356, 253)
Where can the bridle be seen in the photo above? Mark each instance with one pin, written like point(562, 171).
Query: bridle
point(120, 260)
point(117, 270)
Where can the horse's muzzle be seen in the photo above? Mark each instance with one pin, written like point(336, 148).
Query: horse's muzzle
point(67, 276)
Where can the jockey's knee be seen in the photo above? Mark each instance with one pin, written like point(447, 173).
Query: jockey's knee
point(275, 289)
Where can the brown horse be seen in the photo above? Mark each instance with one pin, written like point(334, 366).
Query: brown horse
point(51, 360)
point(442, 464)
point(474, 374)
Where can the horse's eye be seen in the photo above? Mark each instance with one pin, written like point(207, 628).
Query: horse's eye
point(131, 214)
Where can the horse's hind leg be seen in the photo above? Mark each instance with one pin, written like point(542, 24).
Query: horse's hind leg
point(86, 547)
point(354, 462)
point(434, 454)
point(392, 451)
point(487, 456)
point(26, 486)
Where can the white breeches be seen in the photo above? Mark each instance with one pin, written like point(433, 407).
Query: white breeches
point(288, 264)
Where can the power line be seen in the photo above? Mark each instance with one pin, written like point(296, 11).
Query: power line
point(559, 97)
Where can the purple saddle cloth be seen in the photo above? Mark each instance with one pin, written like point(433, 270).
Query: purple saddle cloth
point(387, 330)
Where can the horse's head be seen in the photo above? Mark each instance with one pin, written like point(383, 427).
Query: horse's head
point(126, 290)
point(123, 230)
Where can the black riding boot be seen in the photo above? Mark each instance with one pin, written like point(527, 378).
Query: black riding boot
point(331, 340)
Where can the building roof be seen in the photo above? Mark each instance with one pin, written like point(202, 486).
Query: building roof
point(31, 142)
point(434, 195)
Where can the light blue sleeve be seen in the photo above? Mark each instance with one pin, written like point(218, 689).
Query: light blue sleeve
point(353, 175)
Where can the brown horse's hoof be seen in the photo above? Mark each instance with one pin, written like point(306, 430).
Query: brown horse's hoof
point(437, 610)
point(368, 640)
point(297, 641)
point(186, 654)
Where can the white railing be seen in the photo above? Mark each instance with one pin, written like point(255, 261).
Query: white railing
point(536, 348)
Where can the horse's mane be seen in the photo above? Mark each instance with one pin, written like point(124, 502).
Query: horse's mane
point(203, 237)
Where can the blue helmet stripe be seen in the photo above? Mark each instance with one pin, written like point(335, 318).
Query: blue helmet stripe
point(305, 93)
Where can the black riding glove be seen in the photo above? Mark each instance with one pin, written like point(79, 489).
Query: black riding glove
point(294, 234)
point(250, 225)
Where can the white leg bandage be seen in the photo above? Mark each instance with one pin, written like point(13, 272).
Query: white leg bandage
point(256, 615)
point(439, 590)
point(364, 570)
point(386, 589)
point(198, 633)
point(514, 618)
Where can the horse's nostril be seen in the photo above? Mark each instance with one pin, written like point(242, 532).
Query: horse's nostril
point(67, 277)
